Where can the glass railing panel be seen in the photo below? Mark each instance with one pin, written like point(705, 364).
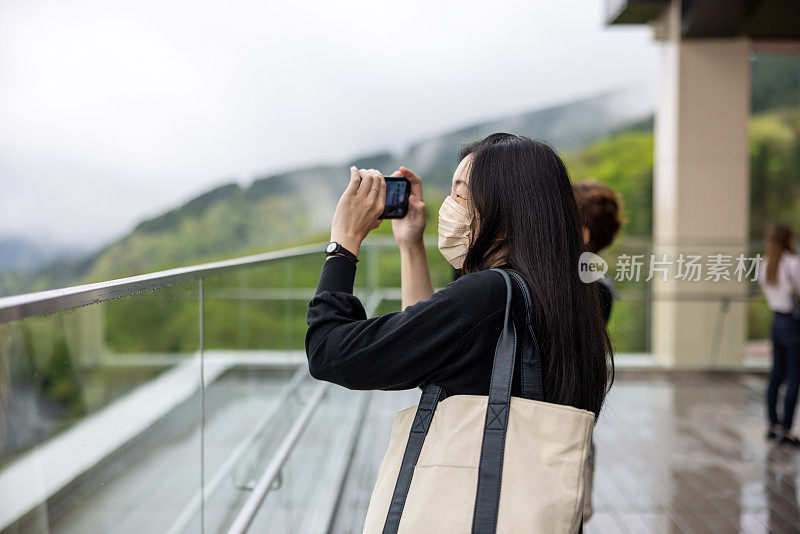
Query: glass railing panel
point(314, 474)
point(254, 323)
point(441, 271)
point(100, 414)
point(388, 306)
point(261, 307)
point(716, 277)
point(265, 401)
point(758, 314)
point(312, 477)
point(380, 262)
point(628, 325)
point(758, 318)
point(249, 412)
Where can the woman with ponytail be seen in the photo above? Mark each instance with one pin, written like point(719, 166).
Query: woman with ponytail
point(779, 277)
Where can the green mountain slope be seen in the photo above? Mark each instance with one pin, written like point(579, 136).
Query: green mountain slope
point(296, 206)
point(607, 138)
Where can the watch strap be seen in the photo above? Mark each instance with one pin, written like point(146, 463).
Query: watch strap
point(341, 251)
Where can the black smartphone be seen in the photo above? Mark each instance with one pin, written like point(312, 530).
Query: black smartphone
point(397, 191)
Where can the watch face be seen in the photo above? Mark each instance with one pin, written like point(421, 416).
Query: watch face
point(331, 247)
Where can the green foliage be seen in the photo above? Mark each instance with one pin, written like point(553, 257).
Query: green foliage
point(774, 171)
point(759, 319)
point(775, 82)
point(59, 380)
point(625, 162)
point(159, 321)
point(628, 326)
point(195, 207)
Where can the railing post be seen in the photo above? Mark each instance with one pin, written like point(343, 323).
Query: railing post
point(201, 308)
point(288, 307)
point(372, 267)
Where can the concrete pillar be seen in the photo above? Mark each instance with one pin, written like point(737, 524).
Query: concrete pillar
point(700, 195)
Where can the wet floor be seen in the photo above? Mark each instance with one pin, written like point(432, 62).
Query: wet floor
point(687, 453)
point(676, 453)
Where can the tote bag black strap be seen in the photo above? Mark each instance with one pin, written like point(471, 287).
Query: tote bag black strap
point(490, 469)
point(531, 364)
point(431, 394)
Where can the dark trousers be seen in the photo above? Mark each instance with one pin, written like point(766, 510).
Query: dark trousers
point(785, 368)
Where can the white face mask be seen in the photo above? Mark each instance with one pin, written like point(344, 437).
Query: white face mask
point(454, 231)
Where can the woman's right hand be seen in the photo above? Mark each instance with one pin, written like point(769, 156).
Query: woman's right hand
point(408, 230)
point(358, 209)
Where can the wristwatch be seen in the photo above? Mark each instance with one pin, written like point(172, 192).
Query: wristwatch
point(335, 249)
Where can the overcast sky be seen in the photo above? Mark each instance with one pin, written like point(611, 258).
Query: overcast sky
point(111, 111)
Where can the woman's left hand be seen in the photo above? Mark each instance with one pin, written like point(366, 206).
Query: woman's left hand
point(359, 208)
point(408, 230)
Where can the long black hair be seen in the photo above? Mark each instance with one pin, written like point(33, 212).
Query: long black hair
point(526, 213)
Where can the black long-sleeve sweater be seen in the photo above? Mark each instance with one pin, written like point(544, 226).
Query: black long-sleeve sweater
point(448, 339)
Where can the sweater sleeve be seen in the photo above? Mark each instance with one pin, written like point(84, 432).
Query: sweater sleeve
point(793, 268)
point(398, 350)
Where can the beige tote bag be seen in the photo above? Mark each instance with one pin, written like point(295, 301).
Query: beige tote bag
point(479, 464)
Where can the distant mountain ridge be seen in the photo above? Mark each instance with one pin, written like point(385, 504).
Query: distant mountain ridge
point(296, 206)
point(23, 255)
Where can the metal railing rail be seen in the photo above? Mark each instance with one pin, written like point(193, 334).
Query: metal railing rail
point(18, 307)
point(31, 304)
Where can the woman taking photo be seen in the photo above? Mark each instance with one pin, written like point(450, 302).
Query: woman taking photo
point(511, 205)
point(780, 281)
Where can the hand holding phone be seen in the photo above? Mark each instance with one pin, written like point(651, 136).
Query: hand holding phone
point(409, 229)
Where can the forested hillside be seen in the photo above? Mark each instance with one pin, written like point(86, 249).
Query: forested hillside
point(296, 206)
point(607, 138)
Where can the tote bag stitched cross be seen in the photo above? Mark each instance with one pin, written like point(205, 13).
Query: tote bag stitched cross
point(475, 464)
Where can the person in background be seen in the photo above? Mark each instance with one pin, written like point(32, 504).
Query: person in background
point(779, 277)
point(600, 211)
